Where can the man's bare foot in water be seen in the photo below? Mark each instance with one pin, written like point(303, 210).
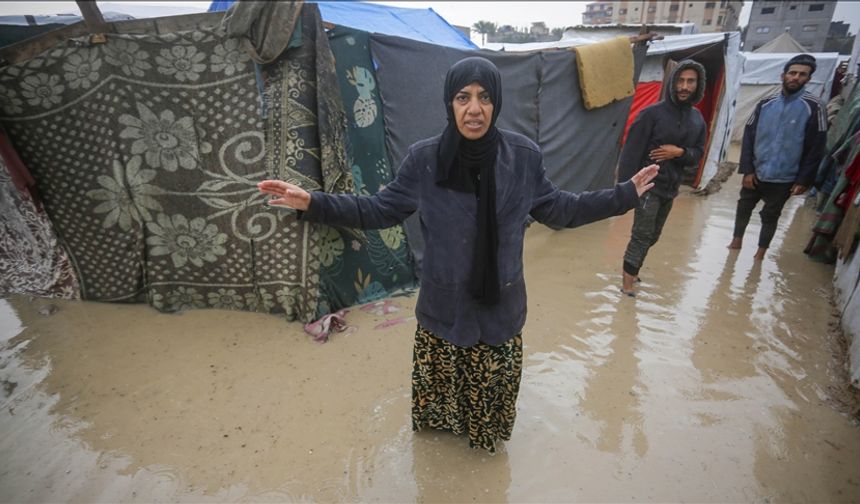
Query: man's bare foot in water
point(627, 282)
point(736, 243)
point(759, 255)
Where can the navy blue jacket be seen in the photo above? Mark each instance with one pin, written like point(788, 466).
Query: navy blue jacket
point(449, 225)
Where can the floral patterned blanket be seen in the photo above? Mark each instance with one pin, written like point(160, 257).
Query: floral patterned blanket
point(147, 150)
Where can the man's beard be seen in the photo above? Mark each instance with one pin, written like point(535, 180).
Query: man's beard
point(790, 91)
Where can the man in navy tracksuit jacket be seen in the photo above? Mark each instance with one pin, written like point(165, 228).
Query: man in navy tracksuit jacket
point(671, 133)
point(784, 141)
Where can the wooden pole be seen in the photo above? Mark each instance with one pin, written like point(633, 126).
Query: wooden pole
point(93, 17)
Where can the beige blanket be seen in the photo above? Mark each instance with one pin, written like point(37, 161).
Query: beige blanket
point(605, 71)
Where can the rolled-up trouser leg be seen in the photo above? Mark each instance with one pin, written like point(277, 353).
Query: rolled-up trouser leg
point(774, 194)
point(648, 220)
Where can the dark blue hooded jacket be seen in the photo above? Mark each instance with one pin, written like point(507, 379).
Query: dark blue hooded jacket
point(667, 122)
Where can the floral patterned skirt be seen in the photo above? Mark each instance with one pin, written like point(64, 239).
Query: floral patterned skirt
point(466, 390)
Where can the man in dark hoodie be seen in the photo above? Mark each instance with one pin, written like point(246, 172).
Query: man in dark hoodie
point(671, 133)
point(784, 141)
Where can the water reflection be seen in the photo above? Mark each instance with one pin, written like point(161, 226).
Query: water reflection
point(446, 472)
point(612, 397)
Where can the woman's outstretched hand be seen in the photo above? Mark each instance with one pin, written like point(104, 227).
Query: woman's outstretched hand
point(286, 194)
point(642, 180)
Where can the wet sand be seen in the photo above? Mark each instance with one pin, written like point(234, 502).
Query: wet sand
point(715, 384)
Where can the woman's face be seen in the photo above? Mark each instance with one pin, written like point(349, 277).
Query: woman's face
point(473, 111)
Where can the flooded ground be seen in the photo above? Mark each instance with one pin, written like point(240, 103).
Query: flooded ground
point(715, 384)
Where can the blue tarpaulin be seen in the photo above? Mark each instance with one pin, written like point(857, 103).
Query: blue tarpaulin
point(423, 25)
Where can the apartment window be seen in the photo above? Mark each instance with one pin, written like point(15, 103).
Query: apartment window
point(763, 29)
point(769, 10)
point(723, 3)
point(720, 20)
point(816, 7)
point(652, 9)
point(810, 27)
point(673, 7)
point(707, 22)
point(793, 7)
point(710, 5)
point(622, 11)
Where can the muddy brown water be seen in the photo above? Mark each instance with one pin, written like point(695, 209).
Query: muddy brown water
point(713, 385)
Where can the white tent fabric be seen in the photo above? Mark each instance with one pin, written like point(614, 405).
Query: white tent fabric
point(784, 43)
point(573, 37)
point(672, 43)
point(761, 77)
point(765, 68)
point(537, 46)
point(722, 123)
point(609, 31)
point(653, 68)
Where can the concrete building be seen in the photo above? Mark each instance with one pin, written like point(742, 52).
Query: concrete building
point(720, 15)
point(808, 22)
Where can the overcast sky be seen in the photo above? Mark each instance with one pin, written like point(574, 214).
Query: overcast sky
point(556, 14)
point(561, 14)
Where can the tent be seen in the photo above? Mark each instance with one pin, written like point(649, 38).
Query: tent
point(784, 43)
point(195, 232)
point(835, 234)
point(423, 25)
point(544, 102)
point(182, 225)
point(719, 53)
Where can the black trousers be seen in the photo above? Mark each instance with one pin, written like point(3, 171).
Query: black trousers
point(774, 194)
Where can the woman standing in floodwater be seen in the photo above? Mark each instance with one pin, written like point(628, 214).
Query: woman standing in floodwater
point(475, 186)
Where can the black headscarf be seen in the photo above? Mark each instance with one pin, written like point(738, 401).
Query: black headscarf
point(468, 166)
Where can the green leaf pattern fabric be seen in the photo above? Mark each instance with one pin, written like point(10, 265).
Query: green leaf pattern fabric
point(362, 266)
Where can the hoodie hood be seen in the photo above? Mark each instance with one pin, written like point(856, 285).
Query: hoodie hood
point(700, 87)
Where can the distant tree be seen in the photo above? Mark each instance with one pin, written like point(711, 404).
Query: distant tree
point(485, 28)
point(557, 33)
point(539, 28)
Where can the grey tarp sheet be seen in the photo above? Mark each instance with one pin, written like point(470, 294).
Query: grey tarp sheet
point(540, 99)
